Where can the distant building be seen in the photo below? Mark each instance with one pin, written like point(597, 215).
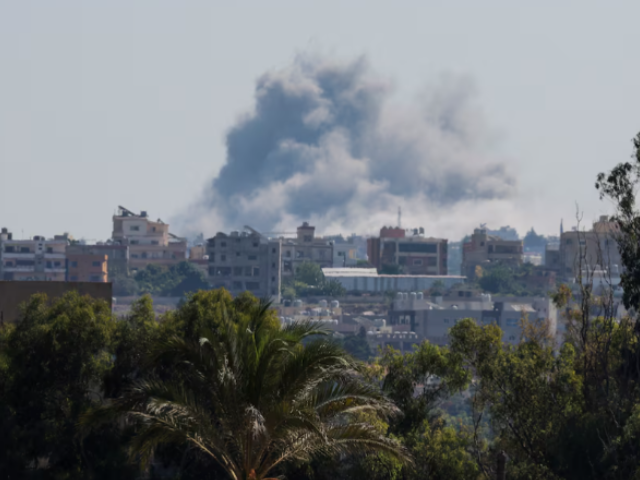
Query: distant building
point(245, 261)
point(369, 280)
point(344, 255)
point(149, 242)
point(411, 255)
point(596, 249)
point(306, 247)
point(198, 257)
point(117, 255)
point(34, 259)
point(412, 313)
point(87, 268)
point(482, 249)
point(13, 294)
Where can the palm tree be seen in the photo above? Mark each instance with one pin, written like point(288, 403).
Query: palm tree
point(250, 396)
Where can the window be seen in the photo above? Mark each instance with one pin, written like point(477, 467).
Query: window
point(74, 278)
point(49, 265)
point(57, 264)
point(418, 247)
point(273, 265)
point(253, 257)
point(223, 271)
point(134, 242)
point(273, 279)
point(287, 253)
point(96, 264)
point(237, 271)
point(24, 249)
point(512, 322)
point(9, 264)
point(237, 285)
point(223, 258)
point(135, 255)
point(446, 320)
point(256, 271)
point(432, 261)
point(568, 242)
point(255, 244)
point(153, 229)
point(307, 238)
point(237, 254)
point(482, 244)
point(212, 271)
point(417, 262)
point(212, 257)
point(247, 271)
point(253, 286)
point(49, 250)
point(94, 278)
point(223, 244)
point(9, 249)
point(134, 228)
point(583, 242)
point(490, 248)
point(74, 264)
point(25, 263)
point(273, 250)
point(155, 242)
point(299, 254)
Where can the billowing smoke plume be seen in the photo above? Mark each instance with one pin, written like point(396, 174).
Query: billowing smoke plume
point(326, 144)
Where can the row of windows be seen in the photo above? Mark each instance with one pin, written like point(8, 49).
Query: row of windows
point(235, 271)
point(92, 278)
point(223, 257)
point(223, 244)
point(74, 264)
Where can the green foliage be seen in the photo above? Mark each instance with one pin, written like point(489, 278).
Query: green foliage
point(247, 394)
point(175, 281)
point(391, 269)
point(504, 279)
point(357, 345)
point(310, 274)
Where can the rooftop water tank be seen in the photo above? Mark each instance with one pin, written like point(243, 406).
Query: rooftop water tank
point(335, 304)
point(322, 303)
point(413, 295)
point(297, 303)
point(399, 296)
point(420, 296)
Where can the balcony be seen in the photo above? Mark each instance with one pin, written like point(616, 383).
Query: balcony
point(17, 254)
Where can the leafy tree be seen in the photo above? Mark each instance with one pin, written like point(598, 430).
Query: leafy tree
point(309, 273)
point(357, 345)
point(251, 397)
point(498, 279)
point(175, 281)
point(333, 289)
point(55, 359)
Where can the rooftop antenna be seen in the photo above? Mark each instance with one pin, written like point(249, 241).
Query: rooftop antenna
point(399, 217)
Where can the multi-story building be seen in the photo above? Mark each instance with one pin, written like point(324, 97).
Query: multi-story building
point(427, 320)
point(306, 247)
point(149, 242)
point(581, 251)
point(117, 255)
point(33, 259)
point(483, 248)
point(410, 255)
point(245, 261)
point(87, 268)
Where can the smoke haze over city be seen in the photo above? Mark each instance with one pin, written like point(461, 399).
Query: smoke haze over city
point(327, 142)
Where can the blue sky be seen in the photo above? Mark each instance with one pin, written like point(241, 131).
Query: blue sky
point(120, 102)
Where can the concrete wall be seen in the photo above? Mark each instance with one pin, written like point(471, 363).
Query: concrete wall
point(14, 294)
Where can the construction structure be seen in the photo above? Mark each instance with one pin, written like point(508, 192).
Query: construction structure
point(245, 261)
point(149, 242)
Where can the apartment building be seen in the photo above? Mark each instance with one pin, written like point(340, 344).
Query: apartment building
point(245, 261)
point(149, 242)
point(117, 255)
point(581, 251)
point(483, 248)
point(33, 259)
point(87, 268)
point(306, 247)
point(412, 254)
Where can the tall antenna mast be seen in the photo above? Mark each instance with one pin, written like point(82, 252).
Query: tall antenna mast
point(399, 217)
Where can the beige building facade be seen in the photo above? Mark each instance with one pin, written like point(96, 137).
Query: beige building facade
point(149, 242)
point(306, 247)
point(483, 249)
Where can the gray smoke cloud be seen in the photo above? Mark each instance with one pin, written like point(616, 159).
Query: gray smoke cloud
point(326, 142)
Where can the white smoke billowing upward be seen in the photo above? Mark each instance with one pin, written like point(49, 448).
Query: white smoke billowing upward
point(326, 144)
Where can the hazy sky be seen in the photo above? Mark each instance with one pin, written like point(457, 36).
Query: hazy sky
point(128, 102)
